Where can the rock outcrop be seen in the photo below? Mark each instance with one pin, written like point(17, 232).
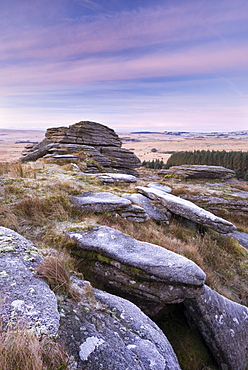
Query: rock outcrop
point(25, 298)
point(107, 202)
point(148, 275)
point(99, 331)
point(187, 171)
point(188, 210)
point(151, 210)
point(104, 331)
point(216, 203)
point(98, 146)
point(224, 327)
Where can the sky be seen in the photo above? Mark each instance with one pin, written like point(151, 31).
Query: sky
point(156, 65)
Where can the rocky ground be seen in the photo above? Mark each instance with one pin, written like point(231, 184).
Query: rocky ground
point(129, 272)
point(43, 201)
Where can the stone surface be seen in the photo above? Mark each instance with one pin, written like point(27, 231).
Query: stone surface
point(241, 237)
point(224, 327)
point(188, 210)
point(217, 203)
point(199, 172)
point(110, 178)
point(151, 210)
point(98, 146)
point(86, 133)
point(156, 185)
point(25, 298)
point(121, 158)
point(134, 213)
point(100, 202)
point(147, 274)
point(111, 333)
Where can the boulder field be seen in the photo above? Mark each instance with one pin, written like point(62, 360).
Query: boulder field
point(105, 331)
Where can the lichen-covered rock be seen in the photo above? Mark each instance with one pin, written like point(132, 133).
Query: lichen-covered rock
point(188, 210)
point(156, 185)
point(134, 213)
point(115, 178)
point(100, 202)
point(25, 298)
point(224, 327)
point(109, 332)
point(152, 211)
point(147, 274)
point(187, 171)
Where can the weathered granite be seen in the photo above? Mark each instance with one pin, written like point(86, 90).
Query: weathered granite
point(111, 178)
point(188, 210)
point(121, 158)
point(90, 142)
point(86, 133)
point(103, 331)
point(151, 210)
point(156, 185)
point(218, 203)
point(224, 327)
point(25, 298)
point(241, 237)
point(99, 202)
point(187, 171)
point(147, 274)
point(134, 213)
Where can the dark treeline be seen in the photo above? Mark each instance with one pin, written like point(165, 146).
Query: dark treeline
point(236, 161)
point(157, 164)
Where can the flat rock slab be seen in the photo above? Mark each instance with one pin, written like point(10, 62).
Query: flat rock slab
point(156, 185)
point(107, 178)
point(151, 210)
point(100, 202)
point(149, 275)
point(189, 210)
point(25, 297)
point(224, 327)
point(199, 172)
point(111, 333)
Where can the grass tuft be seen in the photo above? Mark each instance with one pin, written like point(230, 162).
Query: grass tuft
point(20, 349)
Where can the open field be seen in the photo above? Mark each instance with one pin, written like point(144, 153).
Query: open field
point(166, 144)
point(12, 142)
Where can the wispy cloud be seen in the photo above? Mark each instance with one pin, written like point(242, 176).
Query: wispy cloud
point(79, 54)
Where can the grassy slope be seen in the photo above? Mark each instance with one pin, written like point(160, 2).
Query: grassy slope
point(34, 202)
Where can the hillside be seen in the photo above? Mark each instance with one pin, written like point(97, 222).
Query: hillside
point(135, 264)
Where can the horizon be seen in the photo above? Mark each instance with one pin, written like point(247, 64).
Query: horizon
point(141, 65)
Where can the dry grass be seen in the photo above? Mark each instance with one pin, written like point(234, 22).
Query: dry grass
point(20, 349)
point(39, 209)
point(56, 270)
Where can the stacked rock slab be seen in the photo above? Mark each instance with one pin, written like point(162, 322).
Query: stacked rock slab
point(147, 274)
point(199, 172)
point(100, 145)
point(188, 210)
point(108, 202)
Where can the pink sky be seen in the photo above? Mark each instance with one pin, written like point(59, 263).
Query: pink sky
point(162, 65)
